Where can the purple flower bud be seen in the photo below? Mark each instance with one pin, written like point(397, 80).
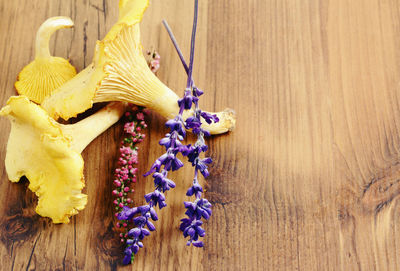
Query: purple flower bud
point(156, 166)
point(127, 259)
point(145, 232)
point(176, 164)
point(194, 124)
point(198, 244)
point(165, 141)
point(194, 189)
point(135, 232)
point(156, 197)
point(209, 118)
point(161, 181)
point(128, 251)
point(127, 213)
point(171, 184)
point(143, 209)
point(176, 125)
point(162, 204)
point(186, 101)
point(139, 220)
point(191, 232)
point(197, 92)
point(192, 228)
point(201, 165)
point(185, 222)
point(153, 214)
point(150, 226)
point(135, 248)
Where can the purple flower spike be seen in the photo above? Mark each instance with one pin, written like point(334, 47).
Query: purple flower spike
point(200, 208)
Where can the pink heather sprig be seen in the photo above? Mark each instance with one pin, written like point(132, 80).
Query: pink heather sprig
point(126, 172)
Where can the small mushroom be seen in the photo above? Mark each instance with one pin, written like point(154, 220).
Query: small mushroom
point(45, 73)
point(48, 154)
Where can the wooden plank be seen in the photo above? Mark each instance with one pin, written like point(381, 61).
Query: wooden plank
point(309, 180)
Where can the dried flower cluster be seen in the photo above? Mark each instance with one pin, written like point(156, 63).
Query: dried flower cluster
point(126, 173)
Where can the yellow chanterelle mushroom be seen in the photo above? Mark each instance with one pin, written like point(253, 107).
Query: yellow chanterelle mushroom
point(119, 72)
point(45, 73)
point(48, 154)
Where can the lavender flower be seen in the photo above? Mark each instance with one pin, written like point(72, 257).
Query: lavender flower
point(200, 208)
point(159, 170)
point(143, 215)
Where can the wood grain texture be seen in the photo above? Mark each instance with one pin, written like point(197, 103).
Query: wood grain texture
point(310, 178)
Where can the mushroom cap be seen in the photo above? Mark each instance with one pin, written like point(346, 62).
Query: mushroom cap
point(38, 149)
point(76, 95)
point(39, 78)
point(46, 73)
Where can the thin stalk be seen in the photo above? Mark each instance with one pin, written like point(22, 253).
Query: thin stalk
point(175, 43)
point(192, 43)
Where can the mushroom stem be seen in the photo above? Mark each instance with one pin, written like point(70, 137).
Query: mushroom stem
point(85, 131)
point(45, 31)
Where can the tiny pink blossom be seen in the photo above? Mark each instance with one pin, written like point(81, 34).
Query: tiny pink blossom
point(129, 127)
point(140, 116)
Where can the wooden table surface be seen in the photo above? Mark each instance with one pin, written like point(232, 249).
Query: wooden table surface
point(310, 178)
